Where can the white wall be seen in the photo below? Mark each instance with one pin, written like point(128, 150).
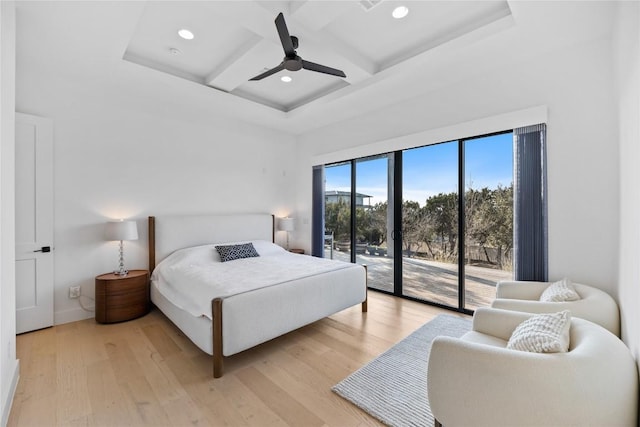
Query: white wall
point(575, 85)
point(627, 61)
point(119, 155)
point(9, 367)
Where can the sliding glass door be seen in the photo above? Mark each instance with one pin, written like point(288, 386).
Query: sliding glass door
point(374, 219)
point(430, 223)
point(488, 201)
point(337, 212)
point(433, 223)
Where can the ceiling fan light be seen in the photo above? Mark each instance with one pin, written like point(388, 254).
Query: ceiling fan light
point(286, 79)
point(185, 34)
point(400, 12)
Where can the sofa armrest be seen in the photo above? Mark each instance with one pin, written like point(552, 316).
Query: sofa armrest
point(520, 289)
point(497, 323)
point(532, 306)
point(494, 385)
point(598, 308)
point(500, 387)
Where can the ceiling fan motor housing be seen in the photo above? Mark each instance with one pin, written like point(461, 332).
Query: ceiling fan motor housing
point(293, 64)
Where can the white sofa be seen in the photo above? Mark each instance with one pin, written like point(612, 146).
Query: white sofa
point(595, 305)
point(475, 381)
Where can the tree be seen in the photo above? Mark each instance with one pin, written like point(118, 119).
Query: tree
point(489, 219)
point(378, 223)
point(411, 224)
point(442, 213)
point(488, 223)
point(337, 218)
point(502, 214)
point(478, 225)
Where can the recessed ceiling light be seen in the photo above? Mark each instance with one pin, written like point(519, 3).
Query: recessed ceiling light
point(286, 79)
point(400, 12)
point(186, 34)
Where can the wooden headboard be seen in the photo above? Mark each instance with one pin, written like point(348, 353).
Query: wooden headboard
point(172, 232)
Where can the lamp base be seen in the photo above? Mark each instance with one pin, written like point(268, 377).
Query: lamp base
point(121, 271)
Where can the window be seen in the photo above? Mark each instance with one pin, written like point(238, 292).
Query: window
point(432, 223)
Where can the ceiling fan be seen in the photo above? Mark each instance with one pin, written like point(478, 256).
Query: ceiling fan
point(292, 61)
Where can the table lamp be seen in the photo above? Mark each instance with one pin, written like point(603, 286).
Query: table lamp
point(286, 224)
point(121, 230)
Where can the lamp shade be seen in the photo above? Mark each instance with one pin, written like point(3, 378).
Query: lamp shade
point(121, 230)
point(286, 224)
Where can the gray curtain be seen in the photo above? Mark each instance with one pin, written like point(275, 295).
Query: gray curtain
point(530, 203)
point(317, 212)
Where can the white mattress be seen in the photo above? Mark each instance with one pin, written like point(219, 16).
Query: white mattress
point(263, 297)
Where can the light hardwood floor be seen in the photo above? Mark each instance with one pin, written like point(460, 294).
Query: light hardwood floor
point(146, 372)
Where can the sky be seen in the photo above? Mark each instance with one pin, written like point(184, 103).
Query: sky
point(433, 169)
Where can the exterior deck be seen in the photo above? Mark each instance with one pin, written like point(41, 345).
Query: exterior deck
point(431, 280)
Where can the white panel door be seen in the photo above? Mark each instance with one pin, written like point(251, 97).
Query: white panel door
point(34, 223)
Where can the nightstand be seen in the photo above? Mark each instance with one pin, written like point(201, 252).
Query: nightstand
point(120, 298)
point(297, 251)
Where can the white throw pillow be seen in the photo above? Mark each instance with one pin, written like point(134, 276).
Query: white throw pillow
point(542, 333)
point(560, 291)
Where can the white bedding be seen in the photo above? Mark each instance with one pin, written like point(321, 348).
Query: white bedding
point(192, 277)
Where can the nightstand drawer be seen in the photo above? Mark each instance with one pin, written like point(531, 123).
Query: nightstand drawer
point(120, 298)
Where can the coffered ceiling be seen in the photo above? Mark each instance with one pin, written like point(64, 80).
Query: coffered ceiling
point(236, 40)
point(120, 53)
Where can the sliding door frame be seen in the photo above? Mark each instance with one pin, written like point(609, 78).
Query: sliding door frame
point(396, 234)
point(462, 219)
point(397, 231)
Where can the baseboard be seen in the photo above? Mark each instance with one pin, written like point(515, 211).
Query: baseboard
point(6, 407)
point(73, 315)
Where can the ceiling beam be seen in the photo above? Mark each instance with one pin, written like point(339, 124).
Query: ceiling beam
point(312, 16)
point(315, 15)
point(260, 21)
point(240, 67)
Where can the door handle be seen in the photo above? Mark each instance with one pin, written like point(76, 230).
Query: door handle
point(44, 249)
point(396, 234)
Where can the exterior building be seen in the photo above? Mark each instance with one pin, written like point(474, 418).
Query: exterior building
point(335, 196)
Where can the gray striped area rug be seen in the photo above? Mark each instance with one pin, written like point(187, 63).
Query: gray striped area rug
point(393, 387)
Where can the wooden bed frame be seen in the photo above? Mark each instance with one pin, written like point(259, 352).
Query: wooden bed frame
point(216, 303)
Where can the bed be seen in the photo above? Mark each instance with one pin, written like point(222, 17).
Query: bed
point(274, 293)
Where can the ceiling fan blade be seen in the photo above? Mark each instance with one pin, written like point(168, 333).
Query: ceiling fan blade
point(312, 66)
point(285, 38)
point(269, 72)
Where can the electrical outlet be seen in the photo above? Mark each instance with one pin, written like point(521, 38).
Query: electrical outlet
point(74, 291)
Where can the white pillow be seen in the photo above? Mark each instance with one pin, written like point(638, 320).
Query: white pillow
point(559, 292)
point(542, 333)
point(267, 248)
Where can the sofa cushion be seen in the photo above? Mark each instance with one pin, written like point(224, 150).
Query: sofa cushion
point(542, 333)
point(485, 339)
point(562, 290)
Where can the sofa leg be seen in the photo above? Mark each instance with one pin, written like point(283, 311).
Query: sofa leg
point(436, 423)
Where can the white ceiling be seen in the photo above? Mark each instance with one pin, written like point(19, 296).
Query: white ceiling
point(126, 45)
point(238, 40)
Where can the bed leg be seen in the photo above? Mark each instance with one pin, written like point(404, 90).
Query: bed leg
point(365, 308)
point(216, 311)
